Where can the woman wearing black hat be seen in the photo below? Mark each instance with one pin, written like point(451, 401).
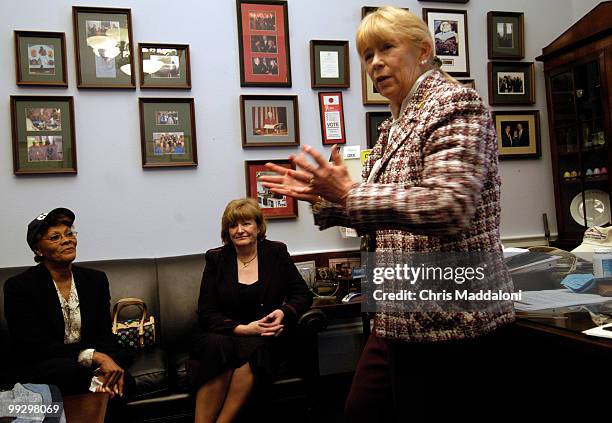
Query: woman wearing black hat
point(58, 315)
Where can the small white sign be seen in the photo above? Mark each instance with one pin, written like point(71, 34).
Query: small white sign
point(351, 152)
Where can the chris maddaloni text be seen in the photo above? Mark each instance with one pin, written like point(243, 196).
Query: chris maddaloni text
point(458, 295)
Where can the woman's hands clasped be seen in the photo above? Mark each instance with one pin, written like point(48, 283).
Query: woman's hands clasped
point(111, 374)
point(270, 325)
point(329, 180)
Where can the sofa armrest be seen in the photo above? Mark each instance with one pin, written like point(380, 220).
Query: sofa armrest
point(312, 322)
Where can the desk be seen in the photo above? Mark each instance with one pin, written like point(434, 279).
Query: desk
point(85, 408)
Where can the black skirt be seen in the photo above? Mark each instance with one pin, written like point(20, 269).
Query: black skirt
point(218, 352)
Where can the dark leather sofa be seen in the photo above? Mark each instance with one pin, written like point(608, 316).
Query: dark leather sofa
point(170, 288)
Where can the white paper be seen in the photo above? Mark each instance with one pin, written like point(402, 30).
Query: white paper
point(351, 152)
point(599, 331)
point(332, 126)
point(329, 64)
point(555, 298)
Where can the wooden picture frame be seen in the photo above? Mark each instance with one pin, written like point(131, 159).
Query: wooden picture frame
point(164, 66)
point(505, 35)
point(511, 83)
point(329, 64)
point(518, 134)
point(449, 29)
point(263, 41)
point(269, 121)
point(43, 135)
point(273, 206)
point(103, 47)
point(40, 59)
point(373, 121)
point(470, 83)
point(331, 112)
point(167, 132)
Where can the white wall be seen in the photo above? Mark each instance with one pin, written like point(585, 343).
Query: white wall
point(582, 7)
point(124, 211)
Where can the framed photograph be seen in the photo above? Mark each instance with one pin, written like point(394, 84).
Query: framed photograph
point(40, 58)
point(269, 121)
point(103, 47)
point(518, 134)
point(167, 132)
point(43, 135)
point(329, 64)
point(470, 83)
point(373, 121)
point(505, 35)
point(164, 66)
point(263, 39)
point(273, 206)
point(449, 30)
point(332, 118)
point(369, 93)
point(511, 83)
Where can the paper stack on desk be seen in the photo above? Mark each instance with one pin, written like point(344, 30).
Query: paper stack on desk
point(530, 262)
point(600, 331)
point(555, 298)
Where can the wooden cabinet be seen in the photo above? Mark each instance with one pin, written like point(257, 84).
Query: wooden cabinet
point(578, 72)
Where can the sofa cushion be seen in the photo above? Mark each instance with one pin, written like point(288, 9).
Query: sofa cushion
point(179, 287)
point(130, 278)
point(150, 371)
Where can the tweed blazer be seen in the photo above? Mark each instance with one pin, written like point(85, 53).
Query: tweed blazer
point(437, 189)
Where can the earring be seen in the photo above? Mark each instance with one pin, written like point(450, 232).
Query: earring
point(423, 62)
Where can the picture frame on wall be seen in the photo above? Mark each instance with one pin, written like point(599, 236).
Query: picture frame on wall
point(273, 206)
point(373, 121)
point(329, 64)
point(518, 134)
point(331, 109)
point(449, 30)
point(369, 93)
point(263, 41)
point(269, 121)
point(505, 35)
point(43, 132)
point(167, 132)
point(511, 83)
point(470, 83)
point(164, 66)
point(40, 58)
point(103, 47)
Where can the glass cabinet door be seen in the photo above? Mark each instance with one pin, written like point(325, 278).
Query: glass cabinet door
point(581, 148)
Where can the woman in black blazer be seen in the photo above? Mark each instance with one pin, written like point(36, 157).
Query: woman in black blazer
point(58, 315)
point(251, 292)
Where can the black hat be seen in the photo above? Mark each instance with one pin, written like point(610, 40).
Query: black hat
point(37, 224)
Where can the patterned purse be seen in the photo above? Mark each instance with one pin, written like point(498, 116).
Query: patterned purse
point(134, 333)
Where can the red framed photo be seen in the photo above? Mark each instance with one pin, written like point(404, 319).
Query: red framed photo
point(263, 39)
point(332, 118)
point(273, 206)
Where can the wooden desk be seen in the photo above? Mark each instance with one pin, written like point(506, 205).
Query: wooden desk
point(85, 408)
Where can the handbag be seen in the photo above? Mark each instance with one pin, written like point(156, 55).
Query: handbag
point(133, 333)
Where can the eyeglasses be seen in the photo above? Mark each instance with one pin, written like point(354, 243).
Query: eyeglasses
point(56, 237)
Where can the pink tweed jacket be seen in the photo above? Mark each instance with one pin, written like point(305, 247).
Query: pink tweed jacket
point(438, 189)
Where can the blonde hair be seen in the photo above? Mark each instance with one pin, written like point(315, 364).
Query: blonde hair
point(387, 23)
point(242, 209)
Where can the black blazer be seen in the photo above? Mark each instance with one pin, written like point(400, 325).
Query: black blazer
point(36, 323)
point(283, 287)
